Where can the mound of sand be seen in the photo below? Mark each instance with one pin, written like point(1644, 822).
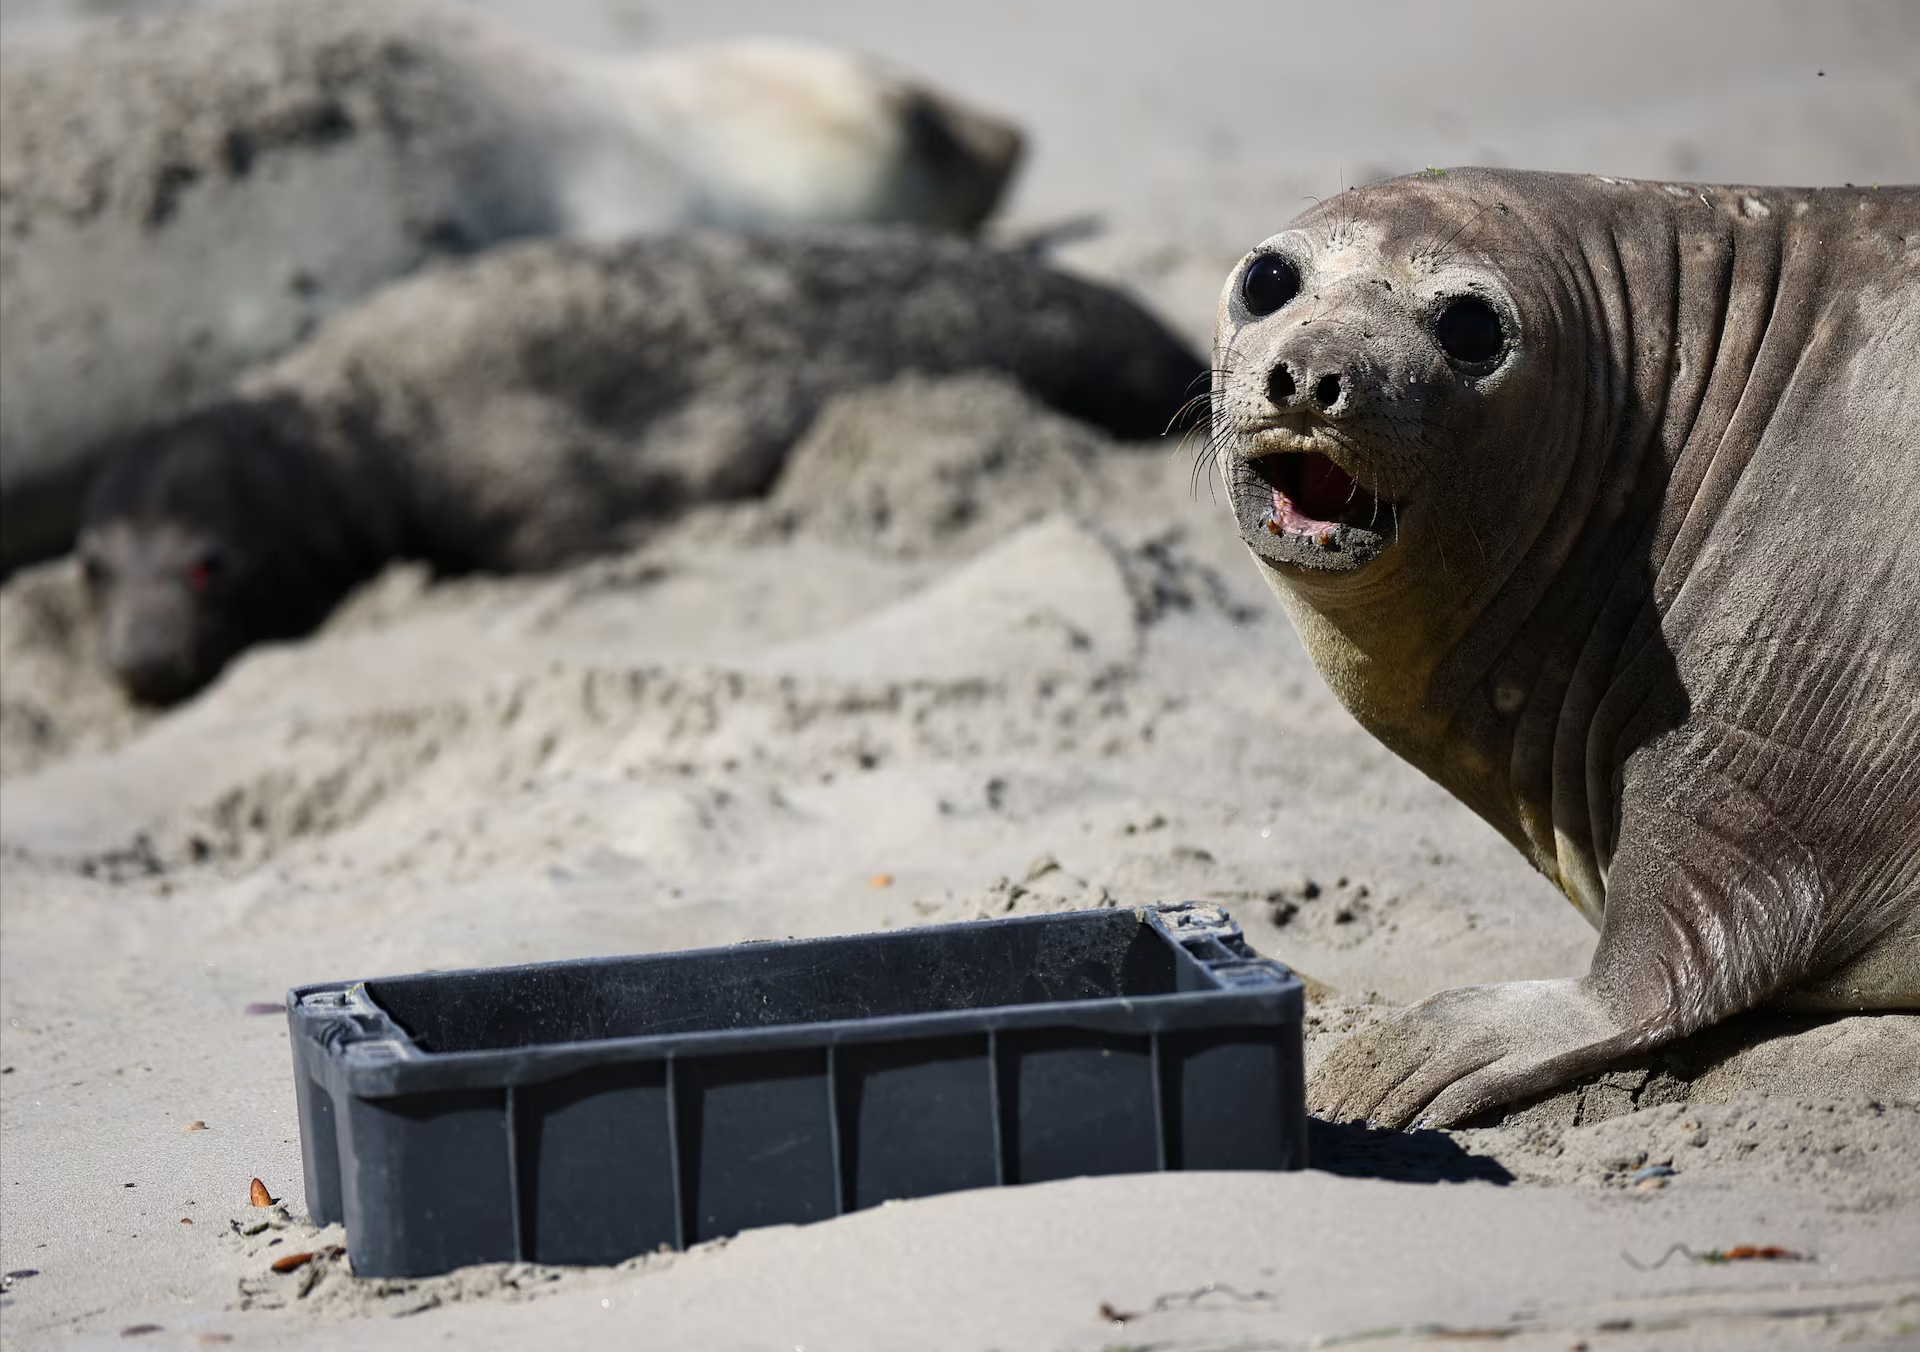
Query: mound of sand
point(926, 467)
point(57, 699)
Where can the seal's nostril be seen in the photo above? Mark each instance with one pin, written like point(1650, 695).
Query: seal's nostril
point(1280, 384)
point(1326, 392)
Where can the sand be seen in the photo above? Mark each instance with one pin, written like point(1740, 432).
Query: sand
point(1029, 671)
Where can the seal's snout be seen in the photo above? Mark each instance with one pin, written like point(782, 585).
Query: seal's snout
point(1296, 503)
point(147, 636)
point(156, 680)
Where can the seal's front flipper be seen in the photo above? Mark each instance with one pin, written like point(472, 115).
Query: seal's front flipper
point(1715, 903)
point(1463, 1051)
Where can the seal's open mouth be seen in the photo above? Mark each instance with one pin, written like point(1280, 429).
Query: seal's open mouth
point(1300, 507)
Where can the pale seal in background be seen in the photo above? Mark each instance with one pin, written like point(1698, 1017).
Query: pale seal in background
point(1595, 500)
point(532, 406)
point(183, 199)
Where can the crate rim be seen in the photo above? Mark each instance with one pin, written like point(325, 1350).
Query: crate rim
point(1149, 914)
point(401, 1067)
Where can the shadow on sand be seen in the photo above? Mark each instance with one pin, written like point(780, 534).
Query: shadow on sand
point(1355, 1150)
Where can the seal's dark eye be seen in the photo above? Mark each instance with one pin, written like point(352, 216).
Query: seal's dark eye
point(1469, 330)
point(1270, 283)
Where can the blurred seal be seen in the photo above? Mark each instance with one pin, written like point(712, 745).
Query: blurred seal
point(538, 404)
point(182, 200)
point(1594, 500)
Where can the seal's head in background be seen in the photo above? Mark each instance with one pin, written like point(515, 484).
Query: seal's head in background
point(205, 535)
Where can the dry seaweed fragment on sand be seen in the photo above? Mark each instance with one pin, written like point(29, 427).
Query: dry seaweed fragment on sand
point(1738, 1253)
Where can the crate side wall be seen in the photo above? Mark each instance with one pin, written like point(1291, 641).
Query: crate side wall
point(1234, 1098)
point(1075, 1102)
point(427, 1182)
point(596, 1165)
point(319, 1131)
point(915, 1118)
point(756, 1141)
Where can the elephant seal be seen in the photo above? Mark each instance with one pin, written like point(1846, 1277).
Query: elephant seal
point(532, 406)
point(1593, 500)
point(182, 200)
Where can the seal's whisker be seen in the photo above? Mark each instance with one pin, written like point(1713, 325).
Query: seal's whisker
point(1214, 438)
point(1208, 430)
point(1201, 464)
point(1208, 374)
point(1185, 409)
point(1218, 438)
point(1436, 255)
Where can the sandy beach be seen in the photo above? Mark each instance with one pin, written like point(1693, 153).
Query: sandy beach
point(944, 671)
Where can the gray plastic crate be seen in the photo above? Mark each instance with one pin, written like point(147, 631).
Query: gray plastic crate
point(586, 1111)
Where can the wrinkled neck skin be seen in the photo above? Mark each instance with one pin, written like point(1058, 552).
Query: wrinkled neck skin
point(1508, 642)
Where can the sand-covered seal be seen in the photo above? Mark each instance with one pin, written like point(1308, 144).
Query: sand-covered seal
point(183, 199)
point(1594, 500)
point(532, 406)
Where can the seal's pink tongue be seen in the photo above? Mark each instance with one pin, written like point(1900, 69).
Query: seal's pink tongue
point(1288, 518)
